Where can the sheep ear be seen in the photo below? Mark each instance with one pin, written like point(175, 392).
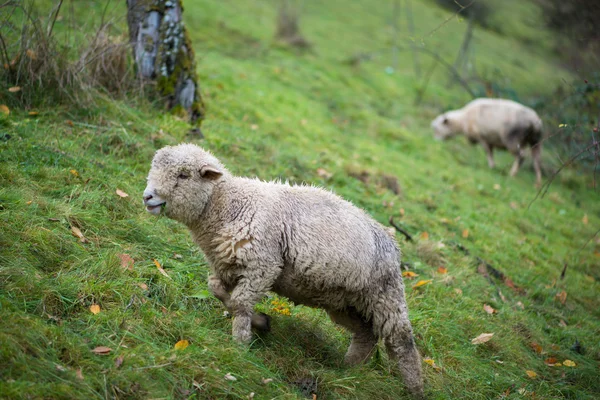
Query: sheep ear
point(210, 172)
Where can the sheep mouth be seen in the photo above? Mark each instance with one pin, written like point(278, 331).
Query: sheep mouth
point(155, 209)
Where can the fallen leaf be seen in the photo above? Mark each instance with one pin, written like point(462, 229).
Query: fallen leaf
point(424, 235)
point(177, 256)
point(323, 173)
point(484, 337)
point(230, 377)
point(4, 109)
point(432, 363)
point(496, 186)
point(536, 347)
point(531, 374)
point(562, 297)
point(501, 296)
point(31, 54)
point(266, 381)
point(562, 323)
point(32, 113)
point(251, 395)
point(69, 122)
point(569, 363)
point(160, 268)
point(143, 286)
point(60, 368)
point(14, 89)
point(74, 172)
point(520, 305)
point(95, 308)
point(514, 205)
point(121, 193)
point(118, 361)
point(409, 274)
point(102, 350)
point(29, 202)
point(442, 270)
point(558, 364)
point(402, 212)
point(421, 283)
point(550, 361)
point(314, 396)
point(197, 385)
point(254, 127)
point(79, 374)
point(458, 291)
point(77, 232)
point(126, 261)
point(500, 362)
point(182, 344)
point(488, 309)
point(585, 219)
point(465, 233)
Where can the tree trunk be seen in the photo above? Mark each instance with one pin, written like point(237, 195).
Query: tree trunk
point(163, 53)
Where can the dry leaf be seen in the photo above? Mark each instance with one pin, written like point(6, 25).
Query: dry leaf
point(501, 296)
point(569, 363)
point(488, 309)
point(314, 397)
point(95, 308)
point(431, 362)
point(60, 368)
point(74, 172)
point(514, 205)
point(177, 256)
point(102, 350)
point(29, 202)
point(143, 286)
point(254, 127)
point(520, 305)
point(69, 122)
point(496, 186)
point(31, 54)
point(251, 395)
point(266, 381)
point(4, 109)
point(230, 377)
point(118, 361)
point(79, 374)
point(77, 232)
point(421, 283)
point(402, 212)
point(458, 291)
point(126, 261)
point(562, 296)
point(14, 89)
point(500, 362)
point(424, 235)
point(182, 344)
point(585, 219)
point(409, 274)
point(442, 270)
point(484, 337)
point(197, 385)
point(465, 233)
point(531, 374)
point(160, 268)
point(122, 193)
point(562, 323)
point(550, 361)
point(536, 347)
point(323, 173)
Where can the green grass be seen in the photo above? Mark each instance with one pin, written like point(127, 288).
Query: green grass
point(276, 113)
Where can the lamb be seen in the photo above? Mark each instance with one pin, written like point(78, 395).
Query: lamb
point(301, 242)
point(496, 123)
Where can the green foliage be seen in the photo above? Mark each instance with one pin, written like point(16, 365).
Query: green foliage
point(275, 114)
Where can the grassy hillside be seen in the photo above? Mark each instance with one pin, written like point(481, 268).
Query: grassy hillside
point(307, 117)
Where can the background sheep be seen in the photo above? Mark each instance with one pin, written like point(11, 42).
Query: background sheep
point(301, 242)
point(496, 123)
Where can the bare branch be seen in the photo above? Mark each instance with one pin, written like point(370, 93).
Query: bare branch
point(402, 231)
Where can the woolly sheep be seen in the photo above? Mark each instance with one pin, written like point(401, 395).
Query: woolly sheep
point(301, 242)
point(496, 123)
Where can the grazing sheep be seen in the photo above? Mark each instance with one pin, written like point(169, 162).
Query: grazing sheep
point(301, 242)
point(496, 123)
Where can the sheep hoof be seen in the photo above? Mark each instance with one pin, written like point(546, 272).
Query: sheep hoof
point(261, 322)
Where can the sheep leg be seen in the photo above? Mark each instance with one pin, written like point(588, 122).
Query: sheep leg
point(489, 151)
point(260, 322)
point(255, 284)
point(536, 152)
point(363, 339)
point(391, 323)
point(517, 163)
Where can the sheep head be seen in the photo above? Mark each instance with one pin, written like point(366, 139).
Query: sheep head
point(446, 126)
point(181, 182)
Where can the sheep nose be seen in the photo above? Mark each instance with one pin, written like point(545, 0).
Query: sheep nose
point(148, 195)
point(146, 198)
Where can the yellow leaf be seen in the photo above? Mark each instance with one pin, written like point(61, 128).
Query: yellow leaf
point(558, 364)
point(569, 363)
point(531, 374)
point(4, 109)
point(32, 113)
point(562, 125)
point(182, 344)
point(421, 283)
point(409, 274)
point(484, 337)
point(465, 233)
point(95, 308)
point(424, 235)
point(122, 193)
point(536, 347)
point(74, 172)
point(14, 89)
point(442, 270)
point(77, 232)
point(160, 268)
point(562, 297)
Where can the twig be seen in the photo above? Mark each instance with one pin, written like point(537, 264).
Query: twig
point(55, 17)
point(450, 18)
point(564, 271)
point(402, 231)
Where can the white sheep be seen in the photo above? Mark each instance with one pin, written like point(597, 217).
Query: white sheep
point(496, 123)
point(301, 242)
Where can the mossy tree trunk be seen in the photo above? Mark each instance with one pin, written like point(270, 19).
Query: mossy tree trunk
point(163, 53)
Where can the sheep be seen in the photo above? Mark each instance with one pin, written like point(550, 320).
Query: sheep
point(301, 242)
point(496, 123)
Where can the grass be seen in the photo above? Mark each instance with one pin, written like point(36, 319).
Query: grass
point(276, 113)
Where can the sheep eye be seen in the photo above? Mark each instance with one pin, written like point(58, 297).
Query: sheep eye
point(183, 176)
